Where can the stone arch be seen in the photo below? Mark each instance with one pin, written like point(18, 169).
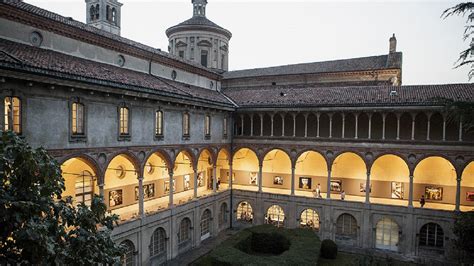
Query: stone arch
point(158, 246)
point(467, 186)
point(390, 178)
point(213, 155)
point(205, 223)
point(309, 218)
point(276, 163)
point(387, 234)
point(244, 212)
point(163, 154)
point(129, 256)
point(245, 165)
point(348, 172)
point(431, 236)
point(129, 155)
point(223, 210)
point(275, 215)
point(83, 170)
point(347, 229)
point(87, 158)
point(313, 165)
point(223, 161)
point(189, 153)
point(185, 232)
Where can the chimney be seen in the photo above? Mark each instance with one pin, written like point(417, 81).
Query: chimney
point(393, 44)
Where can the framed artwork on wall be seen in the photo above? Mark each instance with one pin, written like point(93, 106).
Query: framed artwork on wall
point(278, 180)
point(253, 180)
point(200, 179)
point(470, 196)
point(433, 193)
point(187, 182)
point(336, 185)
point(167, 186)
point(305, 183)
point(233, 176)
point(115, 198)
point(362, 187)
point(148, 191)
point(397, 190)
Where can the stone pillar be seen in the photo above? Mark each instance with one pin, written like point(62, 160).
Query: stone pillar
point(370, 125)
point(398, 126)
point(367, 188)
point(328, 193)
point(170, 204)
point(141, 206)
point(282, 125)
point(428, 126)
point(294, 125)
point(356, 125)
point(195, 183)
point(444, 127)
point(261, 125)
point(413, 116)
point(251, 125)
point(292, 181)
point(101, 190)
point(460, 130)
point(260, 169)
point(305, 125)
point(410, 191)
point(242, 121)
point(458, 192)
point(231, 182)
point(384, 116)
point(214, 178)
point(343, 125)
point(271, 133)
point(317, 124)
point(330, 125)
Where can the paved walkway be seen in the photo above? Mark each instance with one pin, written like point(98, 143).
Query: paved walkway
point(206, 246)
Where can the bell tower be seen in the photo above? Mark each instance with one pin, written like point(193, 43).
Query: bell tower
point(199, 8)
point(104, 15)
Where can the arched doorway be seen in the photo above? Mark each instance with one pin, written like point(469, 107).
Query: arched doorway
point(311, 165)
point(155, 175)
point(222, 165)
point(467, 188)
point(128, 257)
point(184, 235)
point(431, 239)
point(223, 212)
point(276, 216)
point(276, 172)
point(435, 179)
point(346, 229)
point(348, 175)
point(309, 218)
point(245, 170)
point(387, 234)
point(158, 245)
point(389, 181)
point(205, 173)
point(183, 179)
point(120, 182)
point(205, 224)
point(80, 180)
point(244, 212)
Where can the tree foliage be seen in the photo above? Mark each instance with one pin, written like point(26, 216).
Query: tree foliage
point(464, 230)
point(466, 56)
point(37, 226)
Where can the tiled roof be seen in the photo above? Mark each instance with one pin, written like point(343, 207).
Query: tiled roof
point(199, 21)
point(87, 28)
point(343, 65)
point(46, 62)
point(313, 96)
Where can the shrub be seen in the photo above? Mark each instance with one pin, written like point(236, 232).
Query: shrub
point(328, 249)
point(272, 243)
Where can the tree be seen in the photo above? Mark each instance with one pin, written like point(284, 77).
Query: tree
point(465, 57)
point(37, 226)
point(464, 230)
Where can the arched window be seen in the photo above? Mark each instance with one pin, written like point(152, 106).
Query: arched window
point(184, 233)
point(206, 224)
point(310, 219)
point(12, 114)
point(114, 15)
point(159, 123)
point(84, 188)
point(431, 235)
point(245, 212)
point(157, 243)
point(223, 214)
point(275, 216)
point(92, 12)
point(97, 11)
point(128, 257)
point(124, 121)
point(107, 13)
point(387, 234)
point(346, 226)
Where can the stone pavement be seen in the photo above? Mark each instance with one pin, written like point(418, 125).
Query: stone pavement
point(206, 246)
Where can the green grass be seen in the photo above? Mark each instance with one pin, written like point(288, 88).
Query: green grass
point(347, 259)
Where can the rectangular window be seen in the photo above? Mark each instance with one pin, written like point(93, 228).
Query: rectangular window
point(77, 119)
point(186, 124)
point(181, 54)
point(12, 114)
point(159, 123)
point(224, 127)
point(204, 58)
point(124, 121)
point(207, 126)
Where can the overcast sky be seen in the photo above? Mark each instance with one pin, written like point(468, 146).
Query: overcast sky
point(269, 33)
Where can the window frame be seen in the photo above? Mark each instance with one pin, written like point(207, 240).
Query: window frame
point(10, 118)
point(185, 227)
point(159, 135)
point(225, 127)
point(158, 243)
point(75, 137)
point(186, 124)
point(207, 126)
point(125, 136)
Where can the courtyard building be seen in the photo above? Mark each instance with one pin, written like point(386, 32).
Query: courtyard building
point(181, 148)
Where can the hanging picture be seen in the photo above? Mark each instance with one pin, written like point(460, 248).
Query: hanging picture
point(233, 176)
point(200, 179)
point(187, 184)
point(397, 190)
point(167, 186)
point(148, 191)
point(362, 187)
point(470, 196)
point(253, 178)
point(433, 193)
point(305, 183)
point(278, 180)
point(115, 198)
point(336, 185)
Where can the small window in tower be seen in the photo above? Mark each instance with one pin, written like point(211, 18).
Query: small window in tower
point(97, 12)
point(222, 61)
point(204, 58)
point(92, 12)
point(192, 54)
point(114, 16)
point(215, 55)
point(107, 13)
point(181, 54)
